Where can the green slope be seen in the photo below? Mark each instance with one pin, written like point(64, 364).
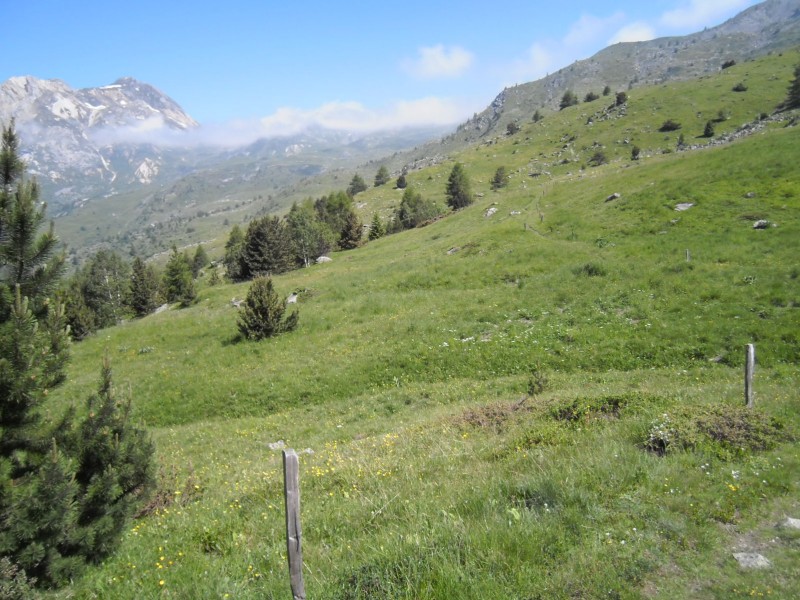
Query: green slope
point(428, 477)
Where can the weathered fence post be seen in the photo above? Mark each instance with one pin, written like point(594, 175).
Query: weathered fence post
point(291, 490)
point(688, 255)
point(749, 367)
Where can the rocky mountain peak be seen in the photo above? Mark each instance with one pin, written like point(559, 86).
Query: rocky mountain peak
point(70, 137)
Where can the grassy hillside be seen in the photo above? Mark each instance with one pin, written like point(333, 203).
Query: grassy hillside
point(429, 472)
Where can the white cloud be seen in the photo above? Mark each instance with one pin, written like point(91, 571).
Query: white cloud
point(634, 32)
point(438, 61)
point(354, 116)
point(701, 13)
point(589, 28)
point(344, 116)
point(535, 64)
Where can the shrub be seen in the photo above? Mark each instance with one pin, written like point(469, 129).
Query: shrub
point(740, 87)
point(598, 158)
point(728, 64)
point(590, 97)
point(709, 129)
point(590, 270)
point(669, 125)
point(262, 312)
point(621, 98)
point(723, 430)
point(568, 99)
point(512, 128)
point(635, 152)
point(500, 179)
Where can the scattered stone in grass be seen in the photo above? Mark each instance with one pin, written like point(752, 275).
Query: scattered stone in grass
point(324, 259)
point(613, 196)
point(751, 560)
point(490, 211)
point(789, 523)
point(761, 224)
point(279, 445)
point(684, 206)
point(750, 195)
point(453, 250)
point(161, 309)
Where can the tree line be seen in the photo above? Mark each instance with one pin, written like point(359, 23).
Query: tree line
point(108, 288)
point(273, 245)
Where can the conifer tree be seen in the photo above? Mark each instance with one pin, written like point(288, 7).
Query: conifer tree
point(178, 282)
point(267, 248)
point(458, 191)
point(793, 94)
point(357, 185)
point(500, 179)
point(262, 313)
point(401, 181)
point(382, 176)
point(66, 490)
point(376, 228)
point(144, 288)
point(233, 254)
point(199, 260)
point(352, 231)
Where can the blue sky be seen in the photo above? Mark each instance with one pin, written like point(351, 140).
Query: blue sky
point(273, 67)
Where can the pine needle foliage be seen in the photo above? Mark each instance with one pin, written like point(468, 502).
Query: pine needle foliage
point(66, 489)
point(458, 191)
point(262, 312)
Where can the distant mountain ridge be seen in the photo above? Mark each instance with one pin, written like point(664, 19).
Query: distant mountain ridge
point(773, 25)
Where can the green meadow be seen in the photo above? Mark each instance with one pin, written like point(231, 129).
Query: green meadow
point(427, 469)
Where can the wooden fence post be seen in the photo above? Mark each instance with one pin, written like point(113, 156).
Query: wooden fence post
point(749, 368)
point(291, 490)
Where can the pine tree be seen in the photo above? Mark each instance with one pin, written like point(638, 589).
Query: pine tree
point(500, 179)
point(709, 129)
point(401, 181)
point(382, 176)
point(568, 99)
point(28, 259)
point(376, 228)
point(458, 191)
point(414, 210)
point(357, 185)
point(352, 231)
point(144, 297)
point(261, 315)
point(267, 248)
point(178, 282)
point(66, 489)
point(233, 254)
point(114, 469)
point(793, 94)
point(199, 260)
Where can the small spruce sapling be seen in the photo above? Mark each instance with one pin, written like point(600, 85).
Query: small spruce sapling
point(537, 383)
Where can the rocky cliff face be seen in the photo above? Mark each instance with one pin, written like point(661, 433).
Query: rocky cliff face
point(80, 143)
